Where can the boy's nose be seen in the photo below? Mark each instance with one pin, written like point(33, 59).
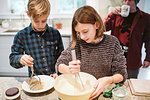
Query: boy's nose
point(40, 24)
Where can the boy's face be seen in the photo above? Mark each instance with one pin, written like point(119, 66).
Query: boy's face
point(39, 23)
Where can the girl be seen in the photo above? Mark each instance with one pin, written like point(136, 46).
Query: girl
point(98, 54)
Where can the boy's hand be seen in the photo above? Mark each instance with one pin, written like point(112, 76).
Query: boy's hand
point(26, 60)
point(54, 75)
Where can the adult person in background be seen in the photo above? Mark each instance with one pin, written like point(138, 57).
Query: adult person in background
point(132, 31)
point(37, 45)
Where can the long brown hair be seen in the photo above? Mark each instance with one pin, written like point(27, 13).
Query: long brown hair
point(86, 15)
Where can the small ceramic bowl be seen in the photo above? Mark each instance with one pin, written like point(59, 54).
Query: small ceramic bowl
point(119, 94)
point(12, 94)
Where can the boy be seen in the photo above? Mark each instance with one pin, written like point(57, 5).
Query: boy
point(37, 45)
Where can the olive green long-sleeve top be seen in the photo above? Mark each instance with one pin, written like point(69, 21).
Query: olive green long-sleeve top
point(104, 58)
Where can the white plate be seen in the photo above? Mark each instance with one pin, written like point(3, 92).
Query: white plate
point(49, 83)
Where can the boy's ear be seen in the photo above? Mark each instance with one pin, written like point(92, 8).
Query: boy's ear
point(28, 13)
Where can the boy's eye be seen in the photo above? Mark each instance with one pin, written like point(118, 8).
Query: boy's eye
point(36, 21)
point(44, 21)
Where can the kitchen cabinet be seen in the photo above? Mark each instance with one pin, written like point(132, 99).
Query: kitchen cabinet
point(6, 40)
point(5, 68)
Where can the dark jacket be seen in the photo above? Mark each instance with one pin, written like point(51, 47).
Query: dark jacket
point(140, 33)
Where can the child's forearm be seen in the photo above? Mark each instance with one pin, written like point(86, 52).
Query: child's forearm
point(62, 68)
point(112, 79)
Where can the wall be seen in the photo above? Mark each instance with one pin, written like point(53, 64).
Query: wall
point(5, 68)
point(147, 7)
point(105, 4)
point(141, 4)
point(144, 5)
point(4, 8)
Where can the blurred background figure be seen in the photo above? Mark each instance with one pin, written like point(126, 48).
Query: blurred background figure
point(132, 31)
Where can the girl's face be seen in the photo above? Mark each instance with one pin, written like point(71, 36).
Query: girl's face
point(39, 23)
point(86, 32)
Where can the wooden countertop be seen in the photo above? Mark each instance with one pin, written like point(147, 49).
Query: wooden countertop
point(8, 82)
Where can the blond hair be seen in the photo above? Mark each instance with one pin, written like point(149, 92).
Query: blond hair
point(36, 8)
point(86, 15)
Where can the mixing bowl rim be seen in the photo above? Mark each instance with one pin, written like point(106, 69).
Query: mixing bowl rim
point(83, 93)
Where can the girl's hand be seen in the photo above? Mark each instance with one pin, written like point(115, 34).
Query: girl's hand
point(26, 60)
point(54, 75)
point(99, 86)
point(74, 66)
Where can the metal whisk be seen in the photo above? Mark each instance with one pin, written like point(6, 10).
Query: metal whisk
point(76, 75)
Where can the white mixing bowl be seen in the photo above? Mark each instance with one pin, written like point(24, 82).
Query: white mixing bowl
point(69, 87)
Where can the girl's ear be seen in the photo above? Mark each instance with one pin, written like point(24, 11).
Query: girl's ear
point(97, 24)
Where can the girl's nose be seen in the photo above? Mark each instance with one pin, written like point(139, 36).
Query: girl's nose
point(82, 36)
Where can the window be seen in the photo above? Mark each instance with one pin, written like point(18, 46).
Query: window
point(58, 6)
point(70, 5)
point(18, 6)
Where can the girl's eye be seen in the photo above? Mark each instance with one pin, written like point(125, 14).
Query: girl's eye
point(85, 32)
